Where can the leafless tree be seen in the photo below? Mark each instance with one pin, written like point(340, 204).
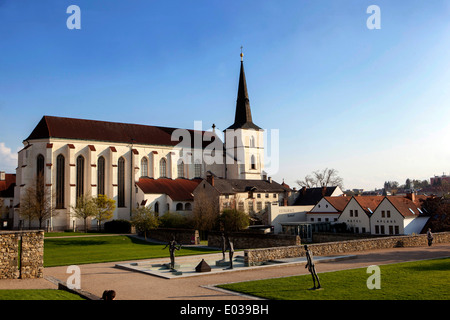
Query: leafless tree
point(205, 212)
point(322, 178)
point(36, 203)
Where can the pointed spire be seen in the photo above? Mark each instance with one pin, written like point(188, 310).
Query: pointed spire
point(243, 117)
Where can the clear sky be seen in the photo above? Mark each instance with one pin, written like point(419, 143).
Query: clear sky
point(372, 104)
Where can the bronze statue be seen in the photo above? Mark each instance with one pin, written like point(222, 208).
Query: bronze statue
point(172, 247)
point(224, 246)
point(231, 251)
point(311, 267)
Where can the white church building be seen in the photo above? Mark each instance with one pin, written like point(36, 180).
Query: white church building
point(134, 164)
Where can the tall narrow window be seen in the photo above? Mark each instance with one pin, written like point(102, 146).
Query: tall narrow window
point(162, 168)
point(101, 175)
point(181, 169)
point(253, 162)
point(80, 177)
point(60, 163)
point(198, 169)
point(40, 165)
point(144, 167)
point(40, 172)
point(252, 142)
point(157, 208)
point(121, 183)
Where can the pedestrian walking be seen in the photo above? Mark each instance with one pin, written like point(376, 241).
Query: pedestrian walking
point(430, 237)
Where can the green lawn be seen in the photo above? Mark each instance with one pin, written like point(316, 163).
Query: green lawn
point(82, 250)
point(32, 294)
point(420, 280)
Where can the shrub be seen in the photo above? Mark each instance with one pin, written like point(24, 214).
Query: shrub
point(118, 226)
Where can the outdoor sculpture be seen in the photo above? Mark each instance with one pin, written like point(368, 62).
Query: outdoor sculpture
point(172, 247)
point(311, 268)
point(231, 251)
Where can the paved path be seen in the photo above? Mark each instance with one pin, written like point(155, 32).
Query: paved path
point(130, 285)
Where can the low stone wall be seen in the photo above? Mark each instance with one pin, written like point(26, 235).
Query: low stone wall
point(258, 256)
point(319, 237)
point(245, 240)
point(183, 236)
point(30, 244)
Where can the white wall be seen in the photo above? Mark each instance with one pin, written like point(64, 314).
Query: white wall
point(361, 222)
point(51, 148)
point(280, 214)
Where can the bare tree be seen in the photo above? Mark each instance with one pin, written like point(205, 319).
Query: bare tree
point(205, 212)
point(322, 178)
point(36, 202)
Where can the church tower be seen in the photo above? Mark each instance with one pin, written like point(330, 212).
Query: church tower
point(244, 144)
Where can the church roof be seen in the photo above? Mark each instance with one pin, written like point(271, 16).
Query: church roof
point(243, 116)
point(177, 189)
point(231, 186)
point(81, 129)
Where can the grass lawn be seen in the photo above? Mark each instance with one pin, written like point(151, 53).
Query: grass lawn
point(32, 294)
point(419, 280)
point(82, 250)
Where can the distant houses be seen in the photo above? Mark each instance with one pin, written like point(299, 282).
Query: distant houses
point(376, 215)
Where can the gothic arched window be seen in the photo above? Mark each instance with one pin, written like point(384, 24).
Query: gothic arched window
point(198, 169)
point(121, 182)
point(60, 164)
point(144, 167)
point(80, 177)
point(181, 169)
point(101, 175)
point(162, 168)
point(253, 162)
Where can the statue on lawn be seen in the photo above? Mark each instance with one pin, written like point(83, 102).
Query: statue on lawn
point(311, 268)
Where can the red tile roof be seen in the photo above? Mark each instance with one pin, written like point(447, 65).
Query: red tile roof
point(177, 190)
point(405, 205)
point(7, 186)
point(80, 129)
point(338, 203)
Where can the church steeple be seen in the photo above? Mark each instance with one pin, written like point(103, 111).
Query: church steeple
point(243, 116)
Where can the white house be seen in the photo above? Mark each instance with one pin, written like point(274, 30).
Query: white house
point(357, 212)
point(398, 215)
point(328, 209)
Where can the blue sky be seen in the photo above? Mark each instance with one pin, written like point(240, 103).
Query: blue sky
point(373, 104)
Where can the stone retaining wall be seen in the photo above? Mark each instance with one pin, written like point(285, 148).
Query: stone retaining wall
point(258, 256)
point(244, 240)
point(30, 244)
point(183, 236)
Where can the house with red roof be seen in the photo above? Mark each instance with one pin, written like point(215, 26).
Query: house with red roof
point(7, 184)
point(328, 209)
point(384, 215)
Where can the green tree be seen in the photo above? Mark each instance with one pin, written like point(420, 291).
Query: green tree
point(104, 208)
point(85, 208)
point(232, 220)
point(144, 219)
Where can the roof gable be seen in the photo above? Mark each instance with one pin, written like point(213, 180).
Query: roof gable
point(312, 196)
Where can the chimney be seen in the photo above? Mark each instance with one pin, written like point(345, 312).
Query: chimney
point(2, 176)
point(303, 190)
point(210, 179)
point(411, 196)
point(270, 179)
point(324, 190)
